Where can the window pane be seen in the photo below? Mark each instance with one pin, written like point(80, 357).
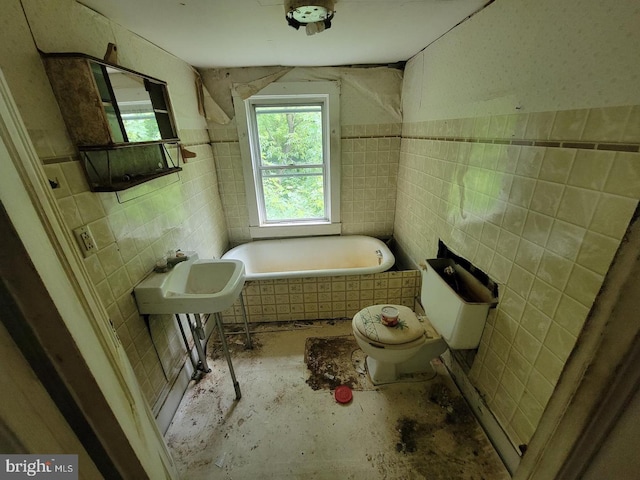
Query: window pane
point(293, 198)
point(290, 135)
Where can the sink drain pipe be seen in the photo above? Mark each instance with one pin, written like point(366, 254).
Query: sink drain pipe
point(197, 332)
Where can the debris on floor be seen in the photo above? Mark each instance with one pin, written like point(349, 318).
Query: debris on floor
point(455, 405)
point(282, 428)
point(237, 343)
point(444, 439)
point(330, 361)
point(408, 430)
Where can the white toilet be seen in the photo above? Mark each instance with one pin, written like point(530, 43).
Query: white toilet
point(451, 322)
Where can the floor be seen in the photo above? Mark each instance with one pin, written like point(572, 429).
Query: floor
point(288, 424)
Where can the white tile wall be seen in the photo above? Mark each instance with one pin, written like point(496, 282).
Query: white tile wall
point(369, 156)
point(543, 219)
point(168, 213)
point(316, 298)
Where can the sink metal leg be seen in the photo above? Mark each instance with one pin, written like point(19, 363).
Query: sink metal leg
point(197, 333)
point(225, 349)
point(186, 343)
point(249, 344)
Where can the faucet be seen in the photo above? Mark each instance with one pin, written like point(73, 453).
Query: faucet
point(175, 256)
point(170, 260)
point(379, 255)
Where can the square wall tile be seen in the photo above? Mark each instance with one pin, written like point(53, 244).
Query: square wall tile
point(550, 364)
point(539, 386)
point(546, 197)
point(583, 285)
point(624, 177)
point(539, 125)
point(565, 239)
point(632, 128)
point(559, 341)
point(597, 252)
point(569, 124)
point(537, 228)
point(606, 124)
point(557, 164)
point(554, 269)
point(590, 169)
point(571, 315)
point(527, 344)
point(578, 205)
point(544, 297)
point(535, 322)
point(529, 255)
point(612, 215)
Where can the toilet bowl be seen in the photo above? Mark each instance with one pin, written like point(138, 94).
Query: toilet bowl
point(404, 349)
point(453, 320)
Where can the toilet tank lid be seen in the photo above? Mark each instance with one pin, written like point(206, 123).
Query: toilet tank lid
point(369, 324)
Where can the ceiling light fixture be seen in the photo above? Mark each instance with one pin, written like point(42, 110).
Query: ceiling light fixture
point(315, 15)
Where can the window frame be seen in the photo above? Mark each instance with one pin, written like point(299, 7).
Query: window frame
point(290, 93)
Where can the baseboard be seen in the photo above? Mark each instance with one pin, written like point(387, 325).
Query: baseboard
point(174, 397)
point(492, 428)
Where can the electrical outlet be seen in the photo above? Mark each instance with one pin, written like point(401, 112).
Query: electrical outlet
point(85, 240)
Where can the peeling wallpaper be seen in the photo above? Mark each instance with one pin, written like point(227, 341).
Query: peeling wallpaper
point(539, 56)
point(367, 95)
point(370, 146)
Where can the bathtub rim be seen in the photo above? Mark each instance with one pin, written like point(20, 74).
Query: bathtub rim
point(388, 263)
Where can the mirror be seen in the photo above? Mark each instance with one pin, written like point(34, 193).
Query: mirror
point(134, 103)
point(108, 106)
point(120, 120)
point(135, 106)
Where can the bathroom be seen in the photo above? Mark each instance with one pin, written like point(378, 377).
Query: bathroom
point(542, 214)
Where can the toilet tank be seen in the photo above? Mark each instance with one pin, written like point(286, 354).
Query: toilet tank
point(459, 317)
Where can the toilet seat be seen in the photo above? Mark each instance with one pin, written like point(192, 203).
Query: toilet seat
point(408, 333)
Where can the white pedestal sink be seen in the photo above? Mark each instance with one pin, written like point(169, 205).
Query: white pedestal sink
point(195, 286)
point(192, 286)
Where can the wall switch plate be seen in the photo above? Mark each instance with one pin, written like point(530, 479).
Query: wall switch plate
point(85, 240)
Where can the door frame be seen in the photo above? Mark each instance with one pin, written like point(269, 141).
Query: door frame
point(75, 332)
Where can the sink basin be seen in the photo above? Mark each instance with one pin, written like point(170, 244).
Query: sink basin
point(192, 286)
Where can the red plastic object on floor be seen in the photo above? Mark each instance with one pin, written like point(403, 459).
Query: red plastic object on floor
point(343, 394)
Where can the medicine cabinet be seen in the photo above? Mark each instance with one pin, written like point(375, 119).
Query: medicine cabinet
point(120, 120)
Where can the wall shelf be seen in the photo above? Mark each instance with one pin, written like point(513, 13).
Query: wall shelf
point(116, 169)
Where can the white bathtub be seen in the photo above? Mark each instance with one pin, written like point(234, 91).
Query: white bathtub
point(313, 257)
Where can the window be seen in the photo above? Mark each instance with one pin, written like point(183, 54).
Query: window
point(290, 147)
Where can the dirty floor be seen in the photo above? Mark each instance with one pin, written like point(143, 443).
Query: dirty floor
point(289, 426)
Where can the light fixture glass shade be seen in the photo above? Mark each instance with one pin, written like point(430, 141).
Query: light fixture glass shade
point(310, 13)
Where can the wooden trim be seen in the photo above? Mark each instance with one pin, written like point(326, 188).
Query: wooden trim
point(27, 309)
point(625, 383)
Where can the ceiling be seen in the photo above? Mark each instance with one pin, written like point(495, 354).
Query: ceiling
point(244, 33)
